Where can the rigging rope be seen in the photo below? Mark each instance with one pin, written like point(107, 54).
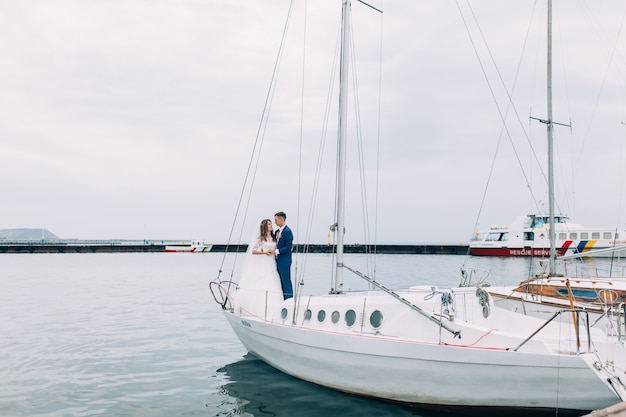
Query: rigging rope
point(256, 150)
point(510, 104)
point(318, 166)
point(245, 197)
point(503, 115)
point(299, 283)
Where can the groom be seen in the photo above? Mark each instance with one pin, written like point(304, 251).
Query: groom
point(284, 241)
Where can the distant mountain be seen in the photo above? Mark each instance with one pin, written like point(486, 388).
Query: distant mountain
point(29, 234)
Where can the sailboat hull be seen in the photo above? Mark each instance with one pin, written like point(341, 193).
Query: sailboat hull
point(406, 369)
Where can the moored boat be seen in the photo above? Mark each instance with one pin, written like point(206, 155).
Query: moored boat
point(602, 298)
point(195, 247)
point(529, 235)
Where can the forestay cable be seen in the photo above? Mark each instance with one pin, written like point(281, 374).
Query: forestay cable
point(256, 150)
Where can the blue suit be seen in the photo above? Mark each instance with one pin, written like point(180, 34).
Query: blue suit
point(283, 261)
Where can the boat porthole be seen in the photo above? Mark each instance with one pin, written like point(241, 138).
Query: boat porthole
point(321, 316)
point(283, 313)
point(335, 316)
point(376, 319)
point(486, 310)
point(307, 315)
point(350, 318)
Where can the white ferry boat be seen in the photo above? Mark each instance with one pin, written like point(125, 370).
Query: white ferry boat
point(529, 236)
point(195, 247)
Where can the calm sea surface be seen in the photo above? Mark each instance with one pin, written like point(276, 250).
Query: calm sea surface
point(140, 335)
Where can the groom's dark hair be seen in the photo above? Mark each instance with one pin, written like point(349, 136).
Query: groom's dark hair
point(281, 214)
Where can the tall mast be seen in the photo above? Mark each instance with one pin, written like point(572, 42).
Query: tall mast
point(550, 126)
point(341, 142)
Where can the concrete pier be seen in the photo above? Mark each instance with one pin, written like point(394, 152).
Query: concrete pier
point(79, 248)
point(112, 246)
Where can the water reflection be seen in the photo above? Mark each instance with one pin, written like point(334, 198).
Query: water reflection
point(260, 390)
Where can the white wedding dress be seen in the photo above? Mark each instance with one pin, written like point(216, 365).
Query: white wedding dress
point(259, 285)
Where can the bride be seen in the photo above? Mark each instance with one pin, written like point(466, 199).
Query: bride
point(260, 282)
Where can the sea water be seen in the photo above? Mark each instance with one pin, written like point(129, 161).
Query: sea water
point(140, 335)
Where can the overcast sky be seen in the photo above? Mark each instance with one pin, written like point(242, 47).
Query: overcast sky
point(137, 118)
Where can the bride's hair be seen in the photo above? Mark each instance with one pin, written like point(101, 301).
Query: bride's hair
point(263, 228)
